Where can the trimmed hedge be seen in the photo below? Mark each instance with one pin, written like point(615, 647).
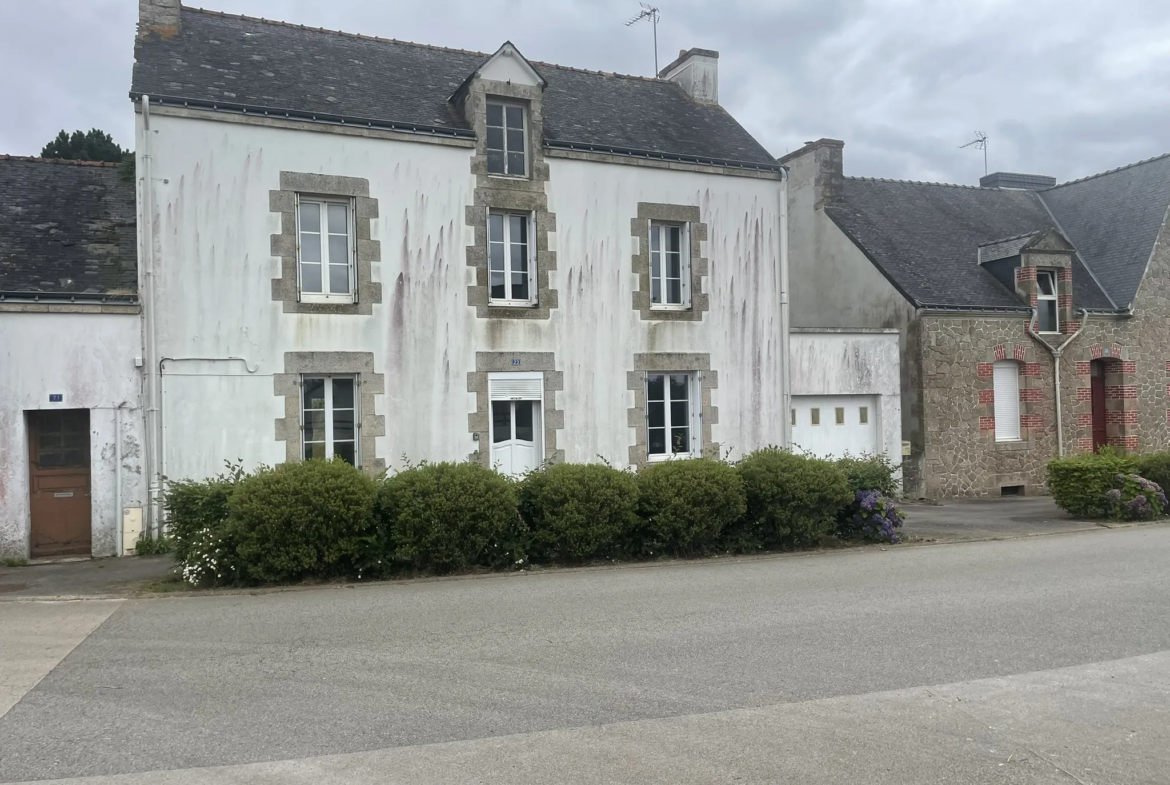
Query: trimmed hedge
point(443, 517)
point(792, 500)
point(870, 473)
point(576, 512)
point(1155, 467)
point(303, 519)
point(1078, 484)
point(686, 504)
point(193, 507)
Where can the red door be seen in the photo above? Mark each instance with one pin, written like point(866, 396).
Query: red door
point(1097, 369)
point(59, 482)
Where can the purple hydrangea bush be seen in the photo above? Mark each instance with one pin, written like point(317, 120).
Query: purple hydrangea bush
point(1135, 498)
point(874, 517)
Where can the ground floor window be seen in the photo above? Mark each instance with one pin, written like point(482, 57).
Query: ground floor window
point(670, 415)
point(329, 419)
point(1006, 386)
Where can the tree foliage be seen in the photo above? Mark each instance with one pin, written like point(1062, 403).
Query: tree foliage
point(94, 145)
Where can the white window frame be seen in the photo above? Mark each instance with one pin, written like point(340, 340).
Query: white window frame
point(694, 415)
point(324, 296)
point(510, 302)
point(505, 105)
point(329, 410)
point(660, 230)
point(1053, 298)
point(1006, 396)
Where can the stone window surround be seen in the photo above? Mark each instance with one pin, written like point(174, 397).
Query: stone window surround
point(286, 288)
point(480, 421)
point(359, 364)
point(661, 362)
point(640, 229)
point(509, 193)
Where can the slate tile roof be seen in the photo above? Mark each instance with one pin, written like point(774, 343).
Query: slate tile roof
point(237, 60)
point(66, 228)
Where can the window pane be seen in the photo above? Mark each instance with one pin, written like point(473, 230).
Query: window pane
point(655, 387)
point(314, 393)
point(655, 264)
point(864, 415)
point(673, 239)
point(315, 426)
point(655, 290)
point(310, 217)
point(495, 114)
point(344, 451)
point(840, 415)
point(497, 287)
point(520, 286)
point(678, 387)
point(516, 163)
point(343, 425)
point(516, 141)
point(519, 256)
point(680, 440)
point(814, 416)
point(1044, 280)
point(524, 421)
point(496, 162)
point(656, 444)
point(338, 249)
point(343, 393)
point(519, 229)
point(496, 256)
point(515, 117)
point(495, 138)
point(310, 248)
point(673, 291)
point(674, 265)
point(338, 219)
point(311, 278)
point(314, 450)
point(656, 414)
point(495, 228)
point(655, 237)
point(339, 279)
point(679, 413)
point(501, 421)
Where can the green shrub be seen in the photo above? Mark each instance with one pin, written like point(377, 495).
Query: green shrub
point(1078, 484)
point(302, 519)
point(1155, 467)
point(870, 473)
point(192, 507)
point(1135, 498)
point(444, 517)
point(212, 558)
point(792, 500)
point(686, 504)
point(579, 511)
point(148, 545)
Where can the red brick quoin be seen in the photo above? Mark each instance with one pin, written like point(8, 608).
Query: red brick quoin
point(985, 370)
point(1000, 352)
point(1084, 368)
point(987, 423)
point(1128, 442)
point(1032, 395)
point(1085, 420)
point(987, 396)
point(1030, 421)
point(1029, 369)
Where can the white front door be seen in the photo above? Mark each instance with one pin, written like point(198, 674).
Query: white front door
point(515, 436)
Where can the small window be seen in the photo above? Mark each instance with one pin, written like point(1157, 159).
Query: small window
point(1047, 301)
point(670, 416)
point(1006, 394)
point(863, 415)
point(670, 272)
point(329, 420)
point(794, 416)
point(511, 264)
point(814, 416)
point(507, 133)
point(325, 249)
point(840, 415)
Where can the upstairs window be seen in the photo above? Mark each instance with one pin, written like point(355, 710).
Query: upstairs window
point(671, 416)
point(670, 274)
point(507, 134)
point(325, 250)
point(329, 418)
point(1047, 301)
point(511, 262)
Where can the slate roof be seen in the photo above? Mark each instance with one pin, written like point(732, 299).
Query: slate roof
point(66, 228)
point(239, 62)
point(1113, 220)
point(926, 237)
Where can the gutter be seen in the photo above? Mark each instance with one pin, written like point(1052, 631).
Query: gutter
point(1056, 352)
point(785, 343)
point(48, 298)
point(149, 333)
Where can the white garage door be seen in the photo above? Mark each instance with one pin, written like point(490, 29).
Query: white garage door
point(833, 425)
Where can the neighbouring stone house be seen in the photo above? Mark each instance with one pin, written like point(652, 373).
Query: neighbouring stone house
point(992, 289)
point(71, 465)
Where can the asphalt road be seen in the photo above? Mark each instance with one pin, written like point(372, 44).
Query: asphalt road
point(1033, 660)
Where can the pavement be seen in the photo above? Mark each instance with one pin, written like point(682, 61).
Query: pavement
point(1037, 659)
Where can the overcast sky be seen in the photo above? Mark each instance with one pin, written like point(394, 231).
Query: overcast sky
point(1062, 87)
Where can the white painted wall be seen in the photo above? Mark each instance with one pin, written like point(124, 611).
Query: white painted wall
point(851, 363)
point(214, 226)
point(89, 359)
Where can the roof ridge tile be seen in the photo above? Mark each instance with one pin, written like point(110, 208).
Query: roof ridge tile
point(66, 161)
point(1108, 171)
point(1013, 237)
point(923, 182)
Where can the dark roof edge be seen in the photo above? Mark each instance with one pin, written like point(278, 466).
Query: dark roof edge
point(313, 117)
point(865, 251)
point(1059, 228)
point(999, 310)
point(922, 182)
point(67, 297)
point(66, 161)
point(679, 158)
point(1108, 171)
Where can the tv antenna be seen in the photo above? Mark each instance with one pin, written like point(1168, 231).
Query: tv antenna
point(651, 13)
point(979, 143)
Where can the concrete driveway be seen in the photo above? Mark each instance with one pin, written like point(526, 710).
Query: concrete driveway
point(984, 519)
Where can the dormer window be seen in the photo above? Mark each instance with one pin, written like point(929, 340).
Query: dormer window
point(1047, 301)
point(507, 133)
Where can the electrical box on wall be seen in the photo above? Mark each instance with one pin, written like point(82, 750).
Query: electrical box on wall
point(131, 529)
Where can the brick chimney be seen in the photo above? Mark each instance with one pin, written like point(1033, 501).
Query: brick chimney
point(824, 162)
point(697, 72)
point(158, 19)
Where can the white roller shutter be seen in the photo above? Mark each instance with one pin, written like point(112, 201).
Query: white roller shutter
point(516, 386)
point(1007, 401)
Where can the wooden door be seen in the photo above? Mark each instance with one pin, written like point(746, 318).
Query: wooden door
point(1097, 370)
point(59, 482)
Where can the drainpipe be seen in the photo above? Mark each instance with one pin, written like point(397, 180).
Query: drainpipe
point(1056, 352)
point(118, 479)
point(785, 353)
point(150, 349)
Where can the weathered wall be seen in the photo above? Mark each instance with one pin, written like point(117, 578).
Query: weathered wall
point(89, 359)
point(846, 362)
point(216, 266)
